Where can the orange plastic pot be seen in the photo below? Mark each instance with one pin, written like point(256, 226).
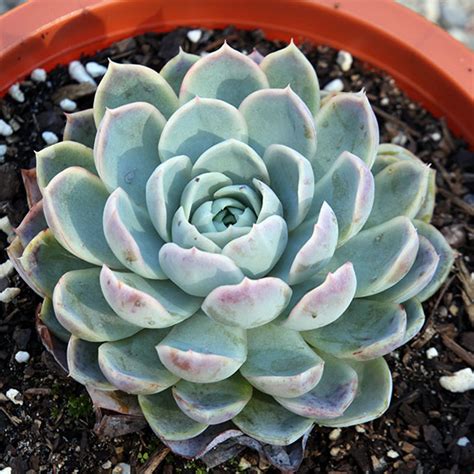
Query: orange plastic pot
point(427, 63)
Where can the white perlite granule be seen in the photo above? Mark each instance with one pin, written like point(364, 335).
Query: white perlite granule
point(39, 75)
point(95, 69)
point(50, 138)
point(8, 294)
point(194, 35)
point(334, 86)
point(22, 357)
point(78, 72)
point(16, 93)
point(460, 381)
point(344, 59)
point(68, 105)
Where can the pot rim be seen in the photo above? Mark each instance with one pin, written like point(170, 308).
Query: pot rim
point(429, 64)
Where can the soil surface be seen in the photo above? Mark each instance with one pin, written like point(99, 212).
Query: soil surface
point(427, 428)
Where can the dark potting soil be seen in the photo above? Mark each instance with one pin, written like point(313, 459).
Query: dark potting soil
point(52, 431)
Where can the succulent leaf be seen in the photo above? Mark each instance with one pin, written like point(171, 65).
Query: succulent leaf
point(232, 232)
point(280, 363)
point(74, 203)
point(15, 251)
point(381, 255)
point(44, 261)
point(345, 123)
point(166, 419)
point(126, 146)
point(267, 421)
point(131, 236)
point(243, 193)
point(249, 304)
point(175, 69)
point(292, 180)
point(128, 83)
point(48, 317)
point(146, 303)
point(201, 350)
point(187, 236)
point(279, 116)
point(309, 248)
point(197, 272)
point(201, 189)
point(53, 159)
point(415, 319)
point(348, 187)
point(81, 308)
point(323, 304)
point(289, 66)
point(32, 224)
point(257, 252)
point(233, 158)
point(271, 205)
point(198, 125)
point(389, 154)
point(427, 206)
point(132, 364)
point(256, 56)
point(381, 162)
point(213, 403)
point(396, 151)
point(399, 191)
point(226, 75)
point(420, 274)
point(367, 330)
point(332, 395)
point(163, 192)
point(80, 127)
point(368, 403)
point(83, 365)
point(445, 254)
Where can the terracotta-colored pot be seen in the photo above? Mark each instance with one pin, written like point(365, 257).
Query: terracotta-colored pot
point(428, 64)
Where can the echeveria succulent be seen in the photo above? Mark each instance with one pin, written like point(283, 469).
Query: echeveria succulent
point(217, 241)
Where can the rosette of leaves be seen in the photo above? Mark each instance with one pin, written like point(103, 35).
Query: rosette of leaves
point(218, 242)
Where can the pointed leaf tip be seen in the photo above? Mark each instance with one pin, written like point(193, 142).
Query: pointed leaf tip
point(225, 74)
point(289, 66)
point(347, 120)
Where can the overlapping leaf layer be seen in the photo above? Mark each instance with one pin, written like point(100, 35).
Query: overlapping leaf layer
point(220, 243)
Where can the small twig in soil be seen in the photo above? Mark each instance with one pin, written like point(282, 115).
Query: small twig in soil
point(153, 463)
point(35, 121)
point(32, 392)
point(462, 353)
point(443, 172)
point(9, 316)
point(216, 44)
point(13, 419)
point(466, 279)
point(121, 55)
point(410, 398)
point(429, 331)
point(447, 135)
point(441, 294)
point(467, 208)
point(426, 334)
point(395, 120)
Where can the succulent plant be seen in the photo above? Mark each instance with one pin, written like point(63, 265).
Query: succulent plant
point(217, 241)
